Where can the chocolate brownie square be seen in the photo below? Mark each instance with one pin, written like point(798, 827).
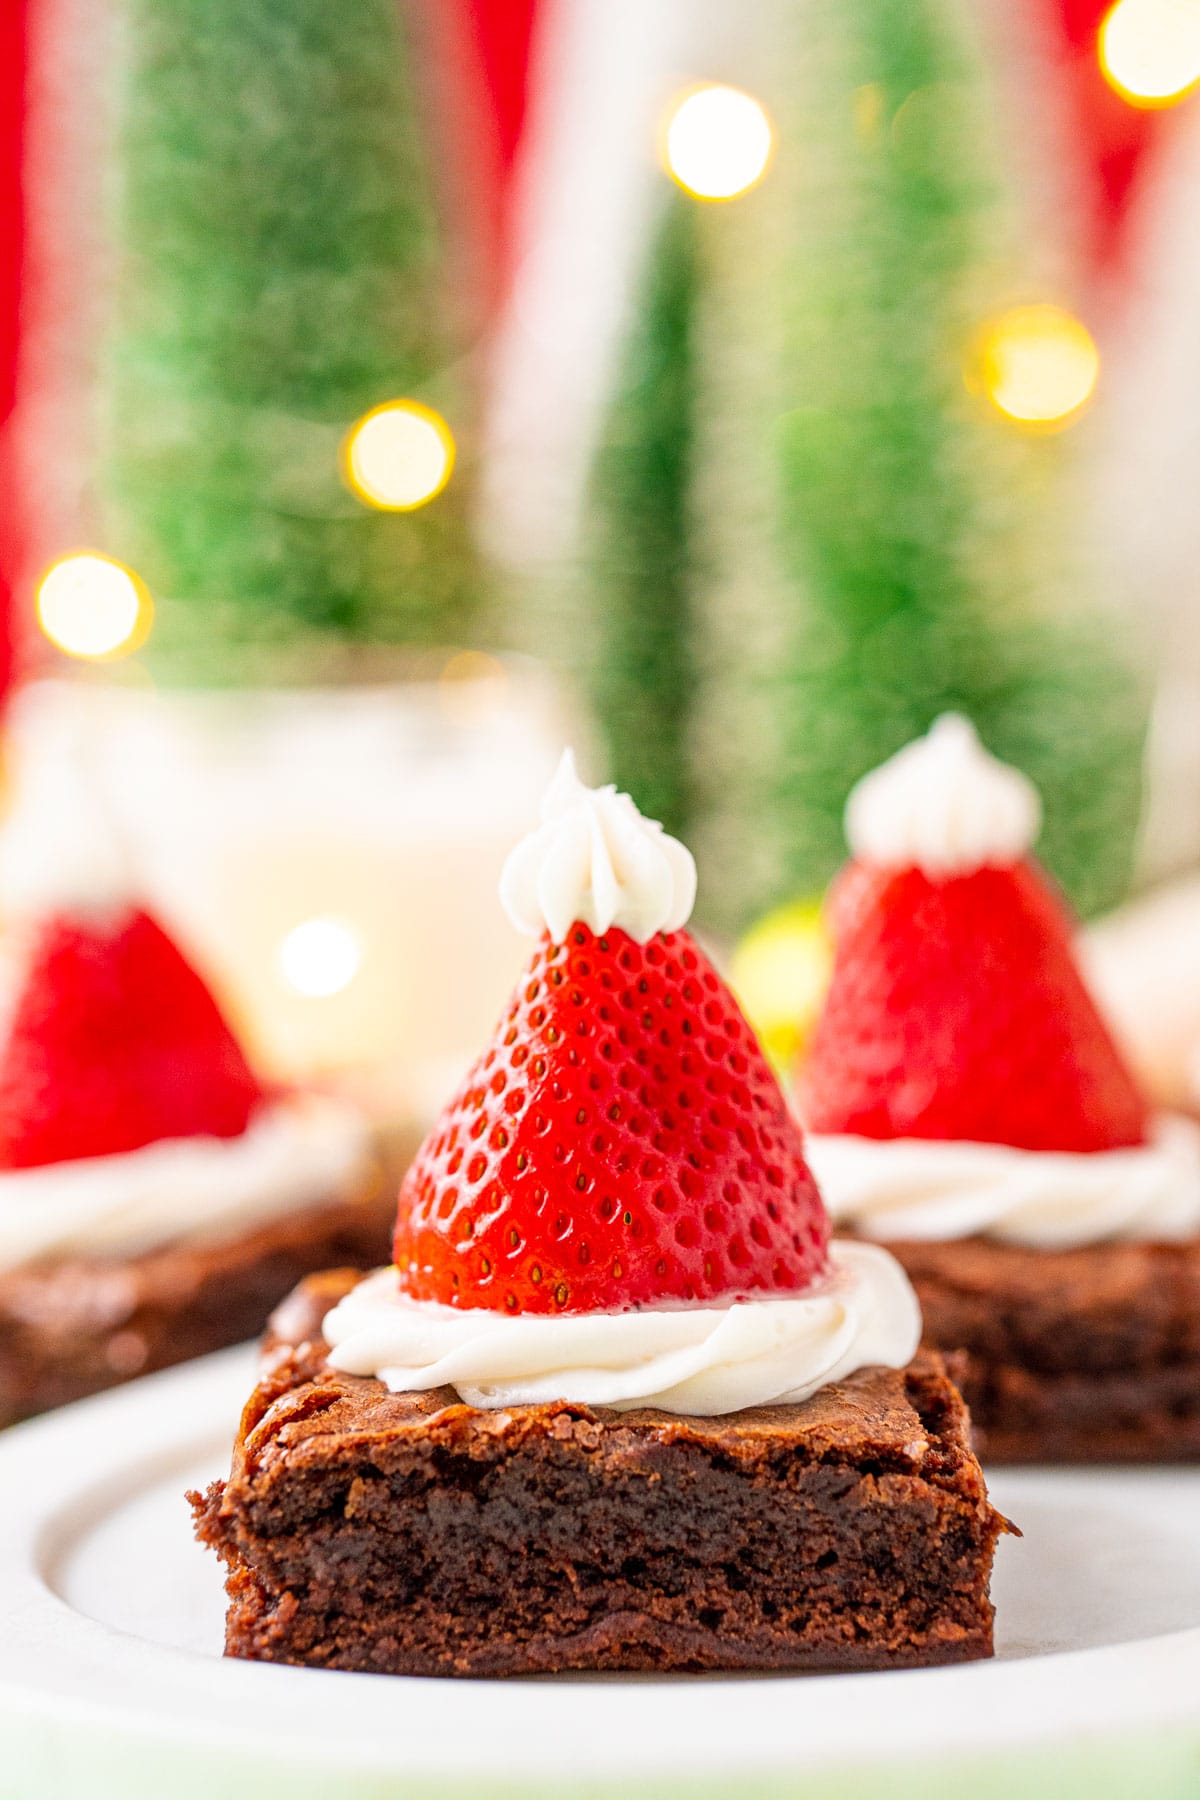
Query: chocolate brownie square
point(1083, 1355)
point(74, 1325)
point(411, 1534)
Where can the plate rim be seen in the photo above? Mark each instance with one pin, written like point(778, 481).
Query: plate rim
point(64, 1671)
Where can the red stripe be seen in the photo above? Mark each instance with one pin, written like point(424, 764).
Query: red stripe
point(12, 246)
point(503, 32)
point(1116, 141)
point(12, 124)
point(485, 48)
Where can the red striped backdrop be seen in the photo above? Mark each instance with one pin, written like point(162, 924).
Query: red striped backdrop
point(493, 80)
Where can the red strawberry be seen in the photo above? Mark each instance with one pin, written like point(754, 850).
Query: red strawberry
point(957, 1010)
point(114, 1041)
point(621, 1143)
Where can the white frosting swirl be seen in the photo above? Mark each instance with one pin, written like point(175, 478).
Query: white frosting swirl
point(1051, 1200)
point(944, 806)
point(595, 859)
point(298, 1153)
point(701, 1360)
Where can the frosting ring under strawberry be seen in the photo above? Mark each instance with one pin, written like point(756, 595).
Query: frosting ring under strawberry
point(933, 1189)
point(701, 1360)
point(300, 1152)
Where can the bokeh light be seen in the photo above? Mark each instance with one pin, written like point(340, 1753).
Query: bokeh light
point(399, 456)
point(718, 142)
point(320, 957)
point(1150, 50)
point(1039, 365)
point(92, 606)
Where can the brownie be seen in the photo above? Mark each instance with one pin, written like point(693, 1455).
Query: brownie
point(1084, 1355)
point(75, 1325)
point(411, 1534)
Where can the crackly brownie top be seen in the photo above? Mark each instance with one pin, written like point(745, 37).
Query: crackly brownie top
point(906, 1421)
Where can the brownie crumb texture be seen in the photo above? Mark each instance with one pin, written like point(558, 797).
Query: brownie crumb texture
point(75, 1326)
point(1088, 1355)
point(414, 1535)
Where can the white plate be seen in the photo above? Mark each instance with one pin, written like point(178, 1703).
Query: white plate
point(112, 1683)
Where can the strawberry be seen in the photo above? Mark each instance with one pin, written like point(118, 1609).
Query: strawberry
point(956, 1010)
point(621, 1143)
point(114, 1041)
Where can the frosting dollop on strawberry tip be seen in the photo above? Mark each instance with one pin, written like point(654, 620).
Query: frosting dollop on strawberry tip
point(595, 861)
point(943, 805)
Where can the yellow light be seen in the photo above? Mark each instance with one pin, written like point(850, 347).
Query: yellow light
point(718, 142)
point(320, 958)
point(1150, 50)
point(780, 972)
point(399, 456)
point(91, 606)
point(1039, 365)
